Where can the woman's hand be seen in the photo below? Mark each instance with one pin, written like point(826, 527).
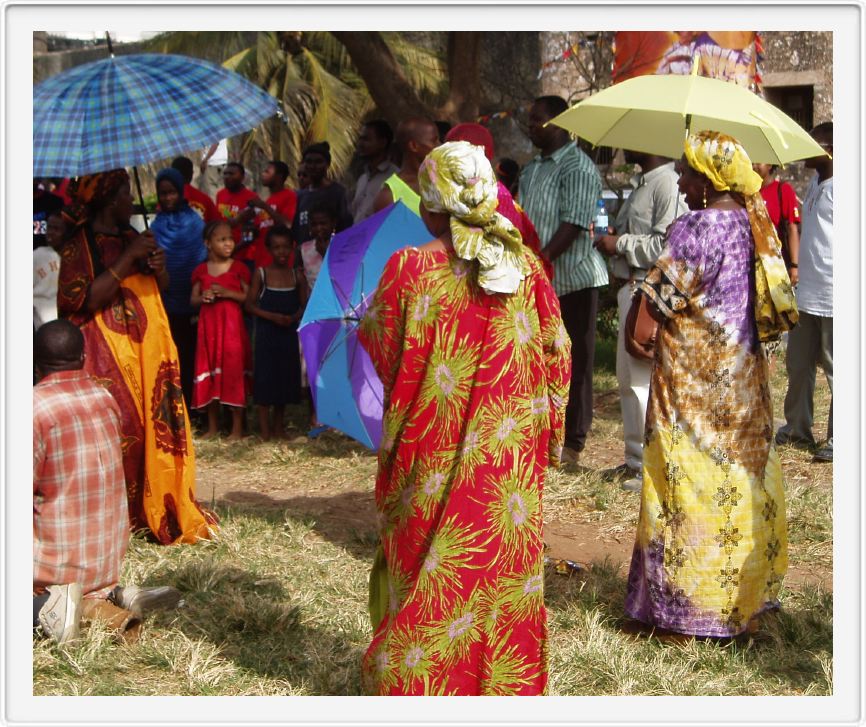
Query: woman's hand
point(156, 260)
point(794, 274)
point(141, 247)
point(208, 296)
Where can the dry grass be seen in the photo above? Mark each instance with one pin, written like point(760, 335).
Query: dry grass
point(279, 605)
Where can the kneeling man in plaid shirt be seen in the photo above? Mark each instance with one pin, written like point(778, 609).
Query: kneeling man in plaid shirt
point(80, 518)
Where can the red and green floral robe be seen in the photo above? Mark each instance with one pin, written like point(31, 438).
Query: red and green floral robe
point(475, 391)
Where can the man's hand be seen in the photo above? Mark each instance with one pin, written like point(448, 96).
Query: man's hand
point(606, 244)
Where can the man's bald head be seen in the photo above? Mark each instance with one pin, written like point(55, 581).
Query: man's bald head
point(418, 129)
point(59, 346)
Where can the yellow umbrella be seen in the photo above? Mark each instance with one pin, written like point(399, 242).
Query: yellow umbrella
point(652, 114)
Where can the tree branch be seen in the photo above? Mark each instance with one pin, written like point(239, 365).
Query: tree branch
point(464, 76)
point(389, 89)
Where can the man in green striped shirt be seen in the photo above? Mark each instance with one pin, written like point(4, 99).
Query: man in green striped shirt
point(559, 190)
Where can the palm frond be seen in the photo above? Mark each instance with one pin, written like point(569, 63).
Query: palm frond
point(337, 112)
point(331, 52)
point(214, 46)
point(425, 69)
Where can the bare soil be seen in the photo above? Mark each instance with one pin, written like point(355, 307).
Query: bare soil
point(343, 510)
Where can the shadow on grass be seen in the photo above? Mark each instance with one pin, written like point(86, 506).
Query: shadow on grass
point(254, 625)
point(793, 645)
point(347, 519)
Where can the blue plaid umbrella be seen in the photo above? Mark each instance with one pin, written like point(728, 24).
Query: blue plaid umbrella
point(127, 110)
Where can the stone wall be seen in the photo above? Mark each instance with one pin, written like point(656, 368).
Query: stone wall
point(47, 64)
point(801, 58)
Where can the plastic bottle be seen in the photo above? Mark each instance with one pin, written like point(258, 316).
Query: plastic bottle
point(600, 218)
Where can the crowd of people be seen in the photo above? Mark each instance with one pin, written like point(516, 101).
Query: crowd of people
point(484, 341)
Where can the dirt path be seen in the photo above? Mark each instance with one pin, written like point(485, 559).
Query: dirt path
point(583, 543)
point(344, 514)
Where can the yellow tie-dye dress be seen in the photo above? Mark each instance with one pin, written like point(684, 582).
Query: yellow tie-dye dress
point(711, 546)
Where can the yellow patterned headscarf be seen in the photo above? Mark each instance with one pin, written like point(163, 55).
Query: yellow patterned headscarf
point(722, 160)
point(457, 178)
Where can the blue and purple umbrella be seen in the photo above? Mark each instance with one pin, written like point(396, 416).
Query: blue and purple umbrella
point(346, 391)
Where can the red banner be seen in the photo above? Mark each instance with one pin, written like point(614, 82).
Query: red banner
point(728, 55)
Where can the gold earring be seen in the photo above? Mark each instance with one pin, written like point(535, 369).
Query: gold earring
point(705, 196)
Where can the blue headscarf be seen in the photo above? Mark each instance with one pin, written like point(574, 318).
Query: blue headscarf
point(180, 233)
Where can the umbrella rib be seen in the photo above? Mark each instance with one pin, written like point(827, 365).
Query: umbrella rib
point(332, 346)
point(342, 292)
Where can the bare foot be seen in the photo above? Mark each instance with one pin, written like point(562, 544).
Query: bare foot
point(209, 435)
point(234, 437)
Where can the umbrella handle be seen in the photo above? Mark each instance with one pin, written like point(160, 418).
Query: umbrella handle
point(140, 196)
point(772, 126)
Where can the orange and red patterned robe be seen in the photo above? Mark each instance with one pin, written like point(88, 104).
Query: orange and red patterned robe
point(129, 350)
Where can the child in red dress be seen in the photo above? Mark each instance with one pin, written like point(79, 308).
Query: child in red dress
point(223, 359)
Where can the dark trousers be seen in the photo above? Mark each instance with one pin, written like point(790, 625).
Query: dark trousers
point(38, 602)
point(185, 333)
point(579, 313)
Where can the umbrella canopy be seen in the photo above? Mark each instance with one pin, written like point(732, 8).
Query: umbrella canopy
point(127, 110)
point(651, 114)
point(346, 391)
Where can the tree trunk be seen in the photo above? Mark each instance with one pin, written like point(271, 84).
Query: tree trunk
point(385, 80)
point(464, 76)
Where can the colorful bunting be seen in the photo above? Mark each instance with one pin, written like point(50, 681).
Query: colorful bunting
point(759, 59)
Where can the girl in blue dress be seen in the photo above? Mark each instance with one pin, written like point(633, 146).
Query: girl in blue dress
point(277, 298)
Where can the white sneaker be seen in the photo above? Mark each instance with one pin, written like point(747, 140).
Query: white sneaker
point(635, 484)
point(60, 617)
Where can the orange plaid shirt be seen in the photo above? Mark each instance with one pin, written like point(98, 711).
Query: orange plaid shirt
point(80, 517)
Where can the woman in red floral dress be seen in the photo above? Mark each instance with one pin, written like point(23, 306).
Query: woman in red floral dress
point(465, 333)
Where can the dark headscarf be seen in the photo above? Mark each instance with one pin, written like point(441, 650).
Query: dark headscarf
point(175, 178)
point(179, 233)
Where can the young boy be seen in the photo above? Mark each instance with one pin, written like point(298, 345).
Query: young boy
point(233, 205)
point(279, 209)
point(323, 222)
point(46, 269)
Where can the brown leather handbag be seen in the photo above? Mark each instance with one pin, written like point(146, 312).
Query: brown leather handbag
point(641, 329)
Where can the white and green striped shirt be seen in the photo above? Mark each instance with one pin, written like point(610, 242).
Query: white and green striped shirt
point(564, 187)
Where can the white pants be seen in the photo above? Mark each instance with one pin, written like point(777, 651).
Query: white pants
point(633, 376)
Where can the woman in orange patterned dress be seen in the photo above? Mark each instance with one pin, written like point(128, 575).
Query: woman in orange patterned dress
point(110, 280)
point(465, 333)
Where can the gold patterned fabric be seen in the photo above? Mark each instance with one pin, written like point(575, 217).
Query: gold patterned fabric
point(711, 545)
point(457, 178)
point(725, 163)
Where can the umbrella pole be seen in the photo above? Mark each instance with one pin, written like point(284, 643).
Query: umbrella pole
point(140, 195)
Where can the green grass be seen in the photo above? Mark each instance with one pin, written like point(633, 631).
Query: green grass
point(278, 606)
